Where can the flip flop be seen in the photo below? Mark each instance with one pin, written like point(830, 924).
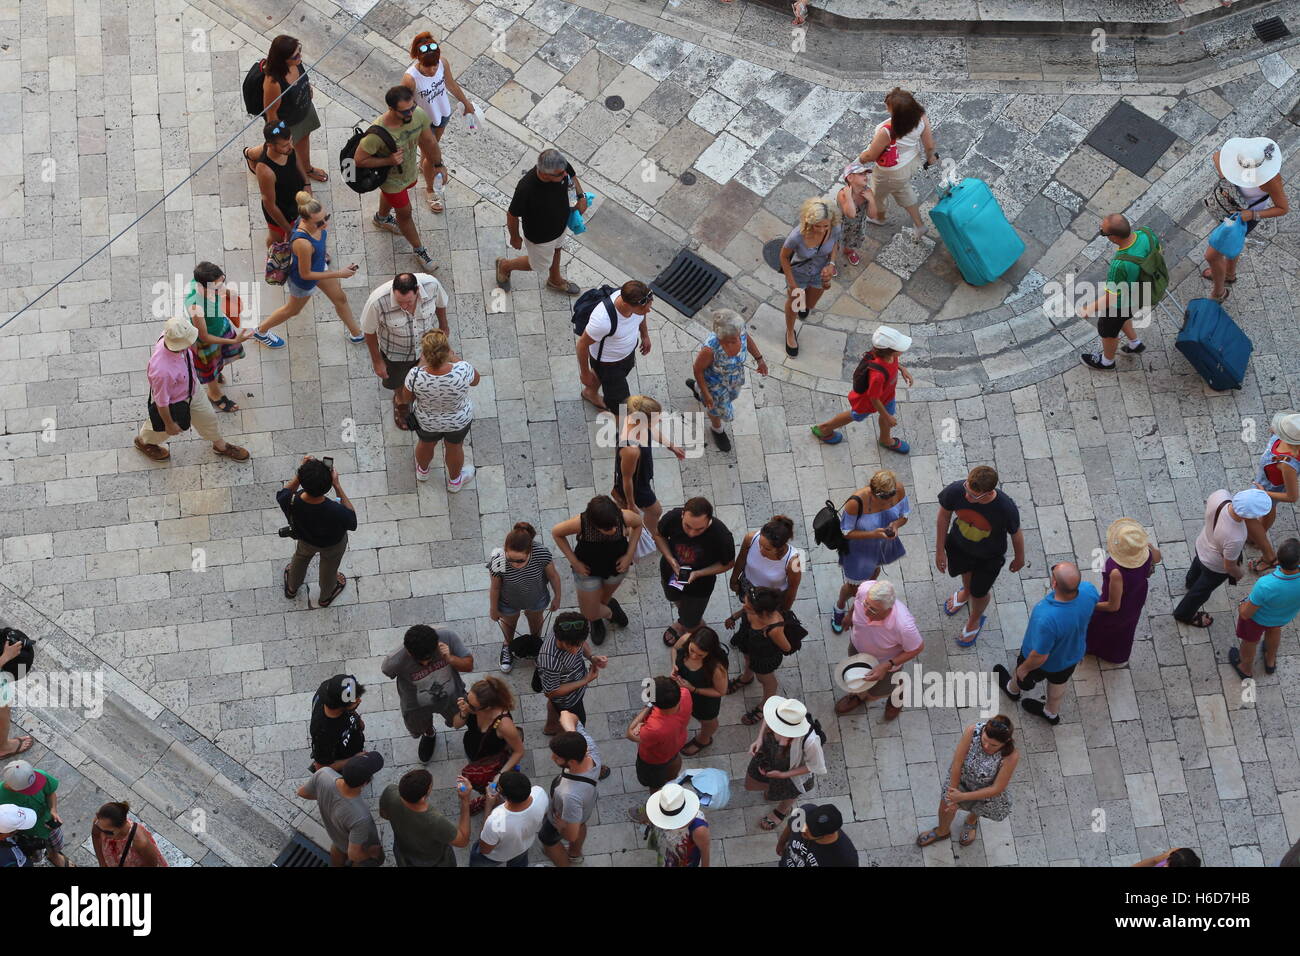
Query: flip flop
point(1207, 274)
point(1260, 566)
point(931, 836)
point(951, 607)
point(834, 439)
point(318, 175)
point(671, 637)
point(287, 593)
point(1234, 658)
point(343, 582)
point(973, 637)
point(25, 744)
point(695, 742)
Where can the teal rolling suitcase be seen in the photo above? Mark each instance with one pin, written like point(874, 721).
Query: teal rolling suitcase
point(972, 226)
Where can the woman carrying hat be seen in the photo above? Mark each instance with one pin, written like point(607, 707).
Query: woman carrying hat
point(1254, 167)
point(1278, 476)
point(783, 758)
point(681, 834)
point(1131, 561)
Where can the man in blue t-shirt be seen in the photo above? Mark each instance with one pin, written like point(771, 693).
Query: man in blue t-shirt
point(1274, 602)
point(1054, 642)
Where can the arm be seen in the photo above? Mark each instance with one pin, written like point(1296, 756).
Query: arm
point(879, 143)
point(571, 686)
point(1018, 546)
point(1000, 783)
point(453, 87)
point(377, 359)
point(512, 226)
point(97, 841)
point(634, 526)
point(429, 146)
point(634, 728)
point(927, 140)
point(149, 851)
point(1116, 592)
point(270, 90)
point(514, 740)
point(303, 250)
point(1246, 610)
point(201, 324)
point(1280, 205)
point(344, 500)
point(758, 357)
point(553, 576)
point(462, 825)
point(940, 536)
point(560, 534)
point(582, 193)
point(742, 560)
point(793, 578)
point(585, 373)
point(786, 268)
point(701, 838)
point(1153, 860)
point(1033, 661)
point(366, 160)
point(494, 595)
point(1291, 487)
point(645, 334)
point(959, 757)
point(628, 457)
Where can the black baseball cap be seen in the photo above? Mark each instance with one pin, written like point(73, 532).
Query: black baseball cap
point(359, 769)
point(823, 820)
point(342, 690)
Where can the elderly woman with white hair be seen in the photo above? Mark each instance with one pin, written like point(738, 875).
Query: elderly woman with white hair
point(1278, 476)
point(720, 371)
point(807, 262)
point(884, 629)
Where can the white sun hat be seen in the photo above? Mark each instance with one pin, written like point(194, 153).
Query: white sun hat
point(672, 807)
point(786, 717)
point(1250, 162)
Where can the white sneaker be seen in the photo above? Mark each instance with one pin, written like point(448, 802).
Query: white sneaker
point(421, 474)
point(466, 476)
point(916, 234)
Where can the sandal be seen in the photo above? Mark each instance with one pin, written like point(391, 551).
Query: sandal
point(24, 744)
point(435, 204)
point(318, 174)
point(287, 593)
point(1200, 620)
point(1260, 566)
point(1234, 658)
point(327, 601)
point(399, 416)
point(952, 605)
point(773, 820)
point(1207, 274)
point(897, 445)
point(695, 742)
point(736, 683)
point(671, 637)
point(968, 638)
point(224, 404)
point(752, 716)
point(931, 836)
point(968, 833)
point(834, 438)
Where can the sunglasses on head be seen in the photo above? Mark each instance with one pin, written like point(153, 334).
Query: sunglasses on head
point(280, 127)
point(427, 48)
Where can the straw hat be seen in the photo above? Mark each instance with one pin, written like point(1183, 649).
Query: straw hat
point(672, 807)
point(786, 717)
point(179, 334)
point(851, 673)
point(1250, 162)
point(1286, 425)
point(1127, 543)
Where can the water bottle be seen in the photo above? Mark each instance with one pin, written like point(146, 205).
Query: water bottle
point(471, 120)
point(462, 787)
point(494, 788)
point(437, 185)
point(573, 193)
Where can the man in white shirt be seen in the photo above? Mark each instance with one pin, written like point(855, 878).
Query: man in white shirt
point(1217, 551)
point(511, 828)
point(394, 319)
point(607, 346)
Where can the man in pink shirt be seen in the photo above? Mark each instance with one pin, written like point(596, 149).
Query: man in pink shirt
point(884, 628)
point(171, 382)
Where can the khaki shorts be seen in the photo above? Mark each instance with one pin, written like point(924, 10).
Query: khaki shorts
point(542, 254)
point(895, 182)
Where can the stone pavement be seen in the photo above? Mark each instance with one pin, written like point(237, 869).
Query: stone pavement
point(101, 544)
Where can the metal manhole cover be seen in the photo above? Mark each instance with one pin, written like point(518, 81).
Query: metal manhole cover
point(1131, 138)
point(1271, 29)
point(687, 178)
point(302, 852)
point(689, 283)
point(772, 253)
point(614, 103)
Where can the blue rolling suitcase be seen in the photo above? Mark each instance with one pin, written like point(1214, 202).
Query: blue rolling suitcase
point(972, 226)
point(1214, 345)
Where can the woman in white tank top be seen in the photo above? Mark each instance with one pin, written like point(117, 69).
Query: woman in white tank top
point(1254, 166)
point(768, 560)
point(431, 78)
point(896, 148)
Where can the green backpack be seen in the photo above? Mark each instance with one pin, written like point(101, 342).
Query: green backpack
point(1152, 271)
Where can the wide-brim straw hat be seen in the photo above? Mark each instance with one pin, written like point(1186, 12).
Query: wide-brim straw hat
point(1250, 161)
point(786, 717)
point(672, 806)
point(851, 673)
point(1286, 426)
point(179, 334)
point(1127, 543)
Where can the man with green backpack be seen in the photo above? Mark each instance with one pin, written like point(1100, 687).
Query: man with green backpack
point(1135, 283)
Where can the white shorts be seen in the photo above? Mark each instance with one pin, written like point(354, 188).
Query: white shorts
point(542, 254)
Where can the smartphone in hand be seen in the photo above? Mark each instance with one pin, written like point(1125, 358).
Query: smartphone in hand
point(329, 463)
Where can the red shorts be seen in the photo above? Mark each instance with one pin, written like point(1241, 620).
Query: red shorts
point(276, 232)
point(1249, 631)
point(400, 199)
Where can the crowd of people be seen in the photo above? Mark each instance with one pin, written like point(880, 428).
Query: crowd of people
point(405, 328)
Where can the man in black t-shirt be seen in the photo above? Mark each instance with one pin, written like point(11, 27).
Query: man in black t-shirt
point(320, 525)
point(690, 537)
point(337, 731)
point(975, 546)
point(820, 840)
point(543, 200)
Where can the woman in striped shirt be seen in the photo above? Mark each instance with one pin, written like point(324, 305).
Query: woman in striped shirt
point(524, 578)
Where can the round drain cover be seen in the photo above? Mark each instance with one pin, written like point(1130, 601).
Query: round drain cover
point(688, 178)
point(614, 103)
point(772, 253)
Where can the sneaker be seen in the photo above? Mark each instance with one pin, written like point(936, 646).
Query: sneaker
point(598, 631)
point(269, 339)
point(722, 441)
point(427, 743)
point(1093, 360)
point(421, 474)
point(837, 619)
point(1036, 707)
point(357, 339)
point(1134, 349)
point(507, 659)
point(423, 255)
point(617, 614)
point(388, 222)
point(466, 476)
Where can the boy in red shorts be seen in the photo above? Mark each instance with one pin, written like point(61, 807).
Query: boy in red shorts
point(874, 384)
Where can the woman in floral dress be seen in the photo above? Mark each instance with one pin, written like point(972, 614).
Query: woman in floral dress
point(720, 371)
point(981, 770)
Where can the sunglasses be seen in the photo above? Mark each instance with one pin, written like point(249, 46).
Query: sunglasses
point(650, 297)
point(408, 112)
point(570, 625)
point(975, 495)
point(517, 562)
point(427, 48)
point(325, 218)
point(279, 127)
point(297, 55)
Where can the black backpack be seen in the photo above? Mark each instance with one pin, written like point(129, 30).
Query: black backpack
point(253, 88)
point(816, 729)
point(584, 306)
point(364, 179)
point(826, 526)
point(862, 376)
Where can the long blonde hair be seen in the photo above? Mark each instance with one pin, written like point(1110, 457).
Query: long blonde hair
point(434, 347)
point(816, 211)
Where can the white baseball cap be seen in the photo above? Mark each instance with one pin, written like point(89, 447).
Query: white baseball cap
point(19, 775)
point(887, 338)
point(14, 817)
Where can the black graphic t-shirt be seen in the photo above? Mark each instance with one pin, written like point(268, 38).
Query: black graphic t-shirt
point(715, 546)
point(979, 529)
point(334, 738)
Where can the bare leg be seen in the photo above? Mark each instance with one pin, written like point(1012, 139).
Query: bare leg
point(839, 421)
point(508, 624)
point(555, 278)
point(1272, 640)
point(406, 223)
point(794, 297)
point(339, 299)
point(535, 622)
point(1055, 695)
point(424, 453)
point(283, 314)
point(1219, 273)
point(977, 607)
point(1247, 649)
point(592, 607)
point(915, 213)
point(455, 460)
point(769, 685)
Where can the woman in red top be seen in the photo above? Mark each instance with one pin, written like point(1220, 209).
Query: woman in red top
point(660, 733)
point(120, 841)
point(876, 397)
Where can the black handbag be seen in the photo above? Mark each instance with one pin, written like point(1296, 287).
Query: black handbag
point(23, 662)
point(180, 411)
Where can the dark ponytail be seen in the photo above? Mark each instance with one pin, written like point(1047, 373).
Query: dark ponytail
point(999, 728)
point(521, 537)
point(779, 531)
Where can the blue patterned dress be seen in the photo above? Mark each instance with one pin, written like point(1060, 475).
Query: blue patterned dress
point(726, 376)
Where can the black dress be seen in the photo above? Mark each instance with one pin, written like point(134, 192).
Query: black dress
point(702, 708)
point(764, 655)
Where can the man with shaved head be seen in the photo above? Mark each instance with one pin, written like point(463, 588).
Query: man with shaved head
point(1054, 642)
point(1114, 309)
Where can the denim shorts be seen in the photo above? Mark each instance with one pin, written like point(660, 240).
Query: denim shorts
point(510, 611)
point(298, 292)
point(891, 406)
point(582, 582)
